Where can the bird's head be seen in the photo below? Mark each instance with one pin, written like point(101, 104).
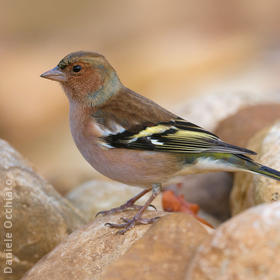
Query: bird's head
point(86, 77)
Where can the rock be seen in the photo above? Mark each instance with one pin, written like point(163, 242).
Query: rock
point(98, 195)
point(162, 253)
point(250, 189)
point(215, 106)
point(87, 252)
point(210, 191)
point(245, 247)
point(211, 220)
point(239, 128)
point(35, 217)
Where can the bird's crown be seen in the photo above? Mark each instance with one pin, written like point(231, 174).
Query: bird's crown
point(81, 56)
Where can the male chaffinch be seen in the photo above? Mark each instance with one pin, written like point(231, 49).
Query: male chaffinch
point(133, 140)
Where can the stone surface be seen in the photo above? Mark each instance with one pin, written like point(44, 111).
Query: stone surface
point(240, 127)
point(252, 189)
point(245, 247)
point(211, 220)
point(209, 190)
point(98, 195)
point(87, 252)
point(163, 252)
point(33, 215)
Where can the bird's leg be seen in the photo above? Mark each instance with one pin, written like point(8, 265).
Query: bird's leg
point(137, 219)
point(129, 204)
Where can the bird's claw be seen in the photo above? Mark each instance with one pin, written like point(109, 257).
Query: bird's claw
point(153, 206)
point(130, 223)
point(122, 208)
point(118, 209)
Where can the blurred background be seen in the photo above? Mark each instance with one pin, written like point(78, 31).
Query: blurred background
point(170, 51)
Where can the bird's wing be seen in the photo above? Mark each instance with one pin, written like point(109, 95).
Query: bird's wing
point(176, 136)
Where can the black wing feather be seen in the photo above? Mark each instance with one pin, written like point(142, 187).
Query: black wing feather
point(176, 136)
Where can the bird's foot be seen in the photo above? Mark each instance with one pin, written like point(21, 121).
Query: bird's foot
point(130, 223)
point(128, 205)
point(121, 208)
point(137, 219)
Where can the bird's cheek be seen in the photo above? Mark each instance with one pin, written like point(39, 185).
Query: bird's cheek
point(95, 81)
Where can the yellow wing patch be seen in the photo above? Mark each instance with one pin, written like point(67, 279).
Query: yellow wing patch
point(151, 130)
point(187, 134)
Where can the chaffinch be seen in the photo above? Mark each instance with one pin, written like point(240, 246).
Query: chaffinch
point(133, 140)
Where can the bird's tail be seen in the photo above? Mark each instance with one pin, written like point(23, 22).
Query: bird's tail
point(255, 167)
point(267, 171)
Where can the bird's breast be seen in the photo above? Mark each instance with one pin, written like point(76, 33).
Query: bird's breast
point(133, 167)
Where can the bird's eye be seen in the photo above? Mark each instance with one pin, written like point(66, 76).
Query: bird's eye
point(77, 68)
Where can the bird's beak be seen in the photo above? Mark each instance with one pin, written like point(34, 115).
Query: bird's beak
point(54, 74)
